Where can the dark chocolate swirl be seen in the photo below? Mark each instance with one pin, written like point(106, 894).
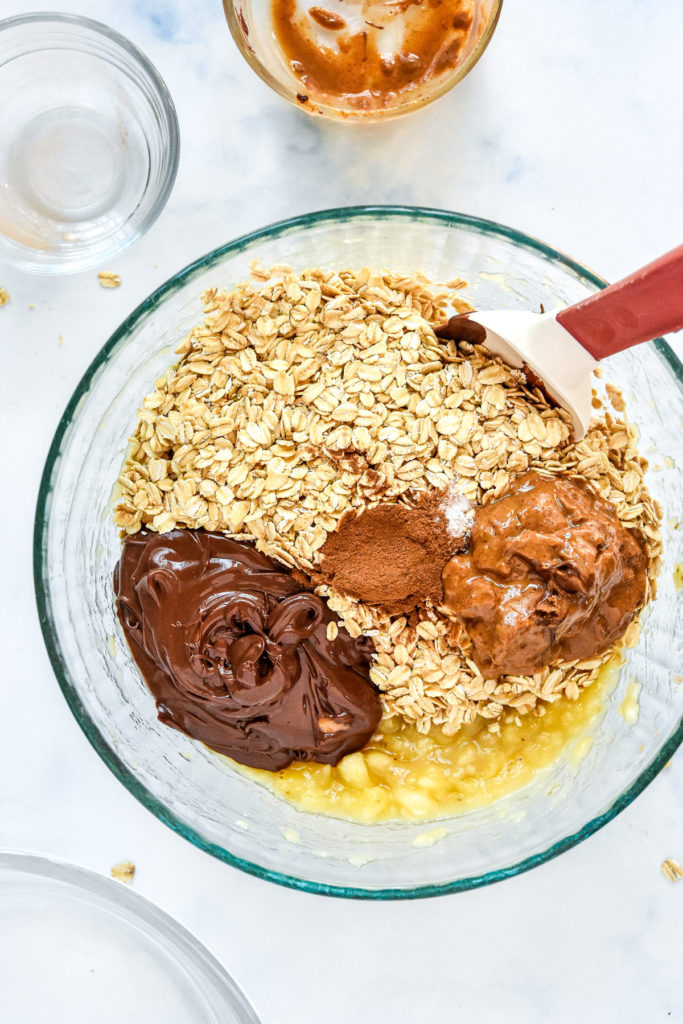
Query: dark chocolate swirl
point(236, 653)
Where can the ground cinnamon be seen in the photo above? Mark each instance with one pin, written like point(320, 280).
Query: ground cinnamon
point(393, 555)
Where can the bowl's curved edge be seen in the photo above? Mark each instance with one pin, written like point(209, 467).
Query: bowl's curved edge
point(139, 907)
point(106, 752)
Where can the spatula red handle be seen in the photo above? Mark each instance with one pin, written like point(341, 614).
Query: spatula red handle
point(638, 308)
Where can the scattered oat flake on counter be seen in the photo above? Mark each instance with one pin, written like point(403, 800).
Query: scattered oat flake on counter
point(678, 576)
point(108, 279)
point(124, 872)
point(672, 869)
point(4, 297)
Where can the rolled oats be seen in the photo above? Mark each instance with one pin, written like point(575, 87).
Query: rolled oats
point(672, 870)
point(108, 279)
point(300, 398)
point(124, 872)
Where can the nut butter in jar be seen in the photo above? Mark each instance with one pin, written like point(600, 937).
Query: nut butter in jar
point(362, 60)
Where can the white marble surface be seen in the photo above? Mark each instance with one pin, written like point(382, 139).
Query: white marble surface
point(565, 130)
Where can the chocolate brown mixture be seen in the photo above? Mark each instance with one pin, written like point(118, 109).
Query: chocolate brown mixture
point(327, 19)
point(550, 574)
point(391, 555)
point(461, 328)
point(236, 654)
point(356, 65)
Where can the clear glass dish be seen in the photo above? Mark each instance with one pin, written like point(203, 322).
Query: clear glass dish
point(197, 792)
point(77, 947)
point(251, 26)
point(89, 143)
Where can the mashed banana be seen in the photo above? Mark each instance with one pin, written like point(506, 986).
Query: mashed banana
point(402, 774)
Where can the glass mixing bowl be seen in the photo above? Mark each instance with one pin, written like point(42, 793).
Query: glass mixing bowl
point(251, 26)
point(197, 792)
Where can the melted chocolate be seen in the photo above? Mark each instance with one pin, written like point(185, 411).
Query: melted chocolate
point(550, 574)
point(236, 653)
point(461, 328)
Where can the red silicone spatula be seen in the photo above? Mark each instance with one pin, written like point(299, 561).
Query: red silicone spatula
point(562, 347)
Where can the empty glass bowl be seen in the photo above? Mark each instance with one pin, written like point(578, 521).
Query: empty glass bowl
point(88, 143)
point(197, 792)
point(252, 27)
point(77, 948)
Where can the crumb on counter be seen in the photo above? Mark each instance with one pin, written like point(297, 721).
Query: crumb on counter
point(672, 870)
point(108, 279)
point(124, 872)
point(4, 296)
point(678, 575)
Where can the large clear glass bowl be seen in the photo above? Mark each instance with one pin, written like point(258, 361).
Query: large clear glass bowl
point(197, 792)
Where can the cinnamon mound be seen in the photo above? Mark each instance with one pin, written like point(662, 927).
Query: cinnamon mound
point(392, 555)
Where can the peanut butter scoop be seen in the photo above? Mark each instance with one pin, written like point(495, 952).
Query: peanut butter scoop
point(550, 574)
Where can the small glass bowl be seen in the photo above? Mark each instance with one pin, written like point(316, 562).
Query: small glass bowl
point(89, 143)
point(251, 25)
point(198, 792)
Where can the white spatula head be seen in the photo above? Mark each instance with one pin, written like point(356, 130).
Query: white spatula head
point(538, 343)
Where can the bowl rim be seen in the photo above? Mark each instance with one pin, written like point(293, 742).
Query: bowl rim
point(23, 257)
point(136, 911)
point(235, 20)
point(40, 539)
